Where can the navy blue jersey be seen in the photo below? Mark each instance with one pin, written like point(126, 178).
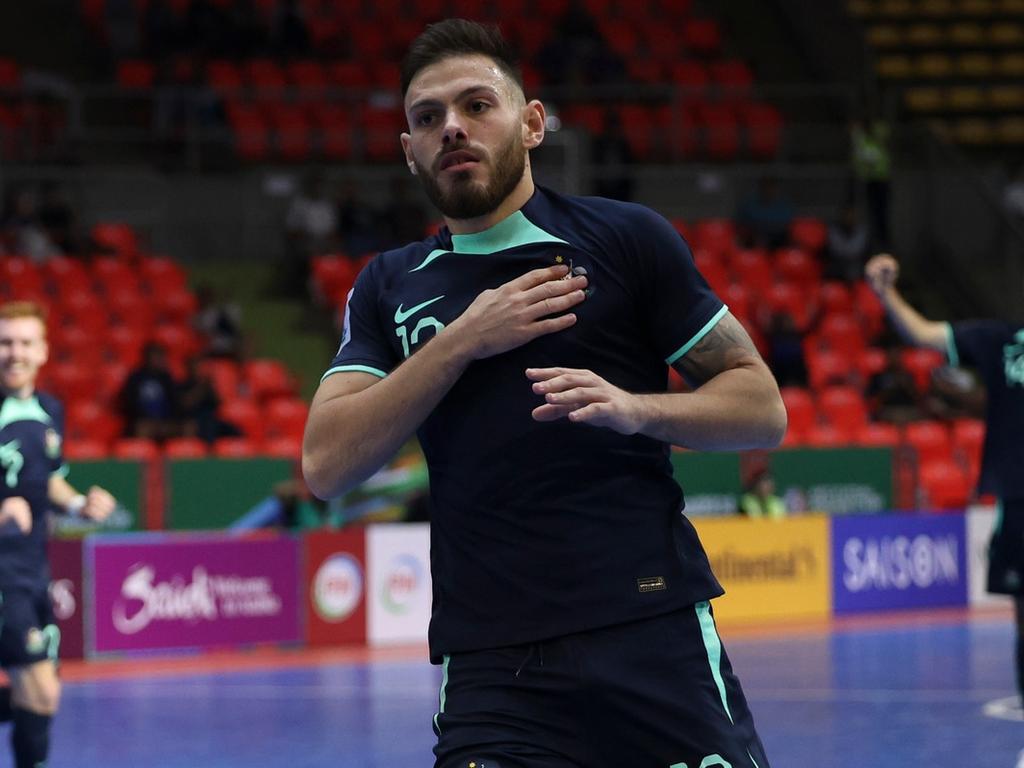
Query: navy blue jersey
point(31, 437)
point(996, 350)
point(543, 529)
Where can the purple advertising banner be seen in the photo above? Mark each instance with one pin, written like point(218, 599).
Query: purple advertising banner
point(898, 561)
point(194, 593)
point(66, 594)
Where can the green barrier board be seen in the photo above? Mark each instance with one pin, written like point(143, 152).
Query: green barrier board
point(210, 494)
point(124, 479)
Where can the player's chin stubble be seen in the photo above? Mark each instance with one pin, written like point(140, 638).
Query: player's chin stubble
point(469, 199)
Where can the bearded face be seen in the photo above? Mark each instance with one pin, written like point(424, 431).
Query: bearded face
point(460, 195)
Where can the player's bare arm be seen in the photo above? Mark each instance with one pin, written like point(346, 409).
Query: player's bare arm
point(95, 504)
point(736, 403)
point(17, 509)
point(357, 422)
point(882, 272)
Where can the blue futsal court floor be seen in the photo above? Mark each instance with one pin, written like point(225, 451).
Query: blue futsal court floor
point(896, 693)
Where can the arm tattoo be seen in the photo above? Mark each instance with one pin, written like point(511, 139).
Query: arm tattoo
point(725, 346)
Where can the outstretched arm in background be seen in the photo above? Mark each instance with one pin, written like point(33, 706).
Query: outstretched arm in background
point(881, 273)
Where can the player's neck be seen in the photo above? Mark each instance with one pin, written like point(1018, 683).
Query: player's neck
point(20, 393)
point(516, 200)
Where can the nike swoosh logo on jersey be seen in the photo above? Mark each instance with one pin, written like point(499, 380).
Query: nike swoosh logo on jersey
point(401, 315)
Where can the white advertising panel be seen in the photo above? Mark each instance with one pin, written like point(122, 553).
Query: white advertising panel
point(398, 590)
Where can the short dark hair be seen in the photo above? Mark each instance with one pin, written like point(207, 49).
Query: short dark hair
point(457, 37)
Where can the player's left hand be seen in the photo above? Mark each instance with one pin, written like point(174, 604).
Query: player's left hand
point(99, 503)
point(583, 396)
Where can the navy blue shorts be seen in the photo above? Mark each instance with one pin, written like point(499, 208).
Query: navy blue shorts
point(657, 693)
point(1006, 550)
point(28, 631)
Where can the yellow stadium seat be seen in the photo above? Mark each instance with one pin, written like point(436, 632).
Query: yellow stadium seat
point(966, 98)
point(1006, 97)
point(936, 8)
point(926, 35)
point(977, 8)
point(975, 65)
point(934, 65)
point(924, 99)
point(894, 67)
point(1006, 34)
point(973, 130)
point(967, 35)
point(1010, 130)
point(885, 36)
point(1011, 64)
point(897, 9)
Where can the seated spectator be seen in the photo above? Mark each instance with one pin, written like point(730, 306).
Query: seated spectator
point(759, 499)
point(764, 217)
point(220, 322)
point(198, 403)
point(311, 228)
point(847, 246)
point(359, 225)
point(786, 350)
point(891, 392)
point(611, 155)
point(23, 231)
point(954, 393)
point(149, 397)
point(405, 218)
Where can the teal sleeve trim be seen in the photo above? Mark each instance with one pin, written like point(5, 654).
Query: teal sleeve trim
point(698, 336)
point(62, 471)
point(354, 369)
point(951, 351)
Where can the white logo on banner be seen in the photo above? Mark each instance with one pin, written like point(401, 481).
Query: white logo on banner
point(900, 562)
point(62, 597)
point(205, 597)
point(337, 587)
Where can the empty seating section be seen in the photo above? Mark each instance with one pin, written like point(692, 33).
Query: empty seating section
point(338, 101)
point(957, 63)
point(102, 311)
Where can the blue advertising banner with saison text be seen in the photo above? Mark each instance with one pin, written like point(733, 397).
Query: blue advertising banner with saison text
point(885, 562)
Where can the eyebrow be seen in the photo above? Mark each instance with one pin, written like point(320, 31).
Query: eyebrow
point(460, 95)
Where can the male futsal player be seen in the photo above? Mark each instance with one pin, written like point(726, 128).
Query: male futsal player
point(527, 344)
point(31, 482)
point(996, 349)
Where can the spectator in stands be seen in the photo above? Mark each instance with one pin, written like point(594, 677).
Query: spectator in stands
point(786, 350)
point(764, 217)
point(847, 246)
point(954, 393)
point(759, 499)
point(149, 396)
point(576, 53)
point(198, 403)
point(995, 348)
point(23, 232)
point(891, 392)
point(872, 168)
point(220, 322)
point(290, 36)
point(57, 218)
point(311, 228)
point(405, 217)
point(612, 156)
point(359, 226)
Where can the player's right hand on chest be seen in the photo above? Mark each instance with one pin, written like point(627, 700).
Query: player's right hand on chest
point(521, 310)
point(16, 509)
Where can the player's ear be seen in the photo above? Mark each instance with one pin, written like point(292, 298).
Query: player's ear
point(407, 149)
point(534, 120)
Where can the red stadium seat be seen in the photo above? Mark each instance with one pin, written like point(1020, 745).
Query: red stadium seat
point(225, 78)
point(702, 36)
point(943, 484)
point(836, 298)
point(870, 361)
point(797, 266)
point(175, 306)
point(763, 126)
point(827, 436)
point(842, 334)
point(810, 234)
point(226, 377)
point(265, 78)
point(135, 74)
point(292, 132)
point(136, 448)
point(282, 448)
point(267, 378)
point(721, 131)
point(930, 439)
point(185, 448)
point(825, 368)
point(732, 77)
point(88, 420)
point(179, 341)
point(116, 238)
point(62, 274)
point(713, 268)
point(85, 450)
point(968, 440)
point(285, 417)
point(19, 277)
point(244, 414)
point(800, 408)
point(843, 407)
point(250, 131)
point(310, 78)
point(920, 363)
point(717, 236)
point(737, 297)
point(381, 129)
point(878, 434)
point(235, 447)
point(160, 274)
point(752, 268)
point(335, 126)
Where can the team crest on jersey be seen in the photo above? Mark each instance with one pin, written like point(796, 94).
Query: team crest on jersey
point(482, 764)
point(576, 271)
point(1013, 360)
point(52, 443)
point(35, 641)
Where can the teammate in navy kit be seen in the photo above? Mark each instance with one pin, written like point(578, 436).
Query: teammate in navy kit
point(527, 344)
point(31, 483)
point(996, 350)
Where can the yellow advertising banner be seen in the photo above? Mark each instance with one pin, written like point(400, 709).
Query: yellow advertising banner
point(771, 569)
